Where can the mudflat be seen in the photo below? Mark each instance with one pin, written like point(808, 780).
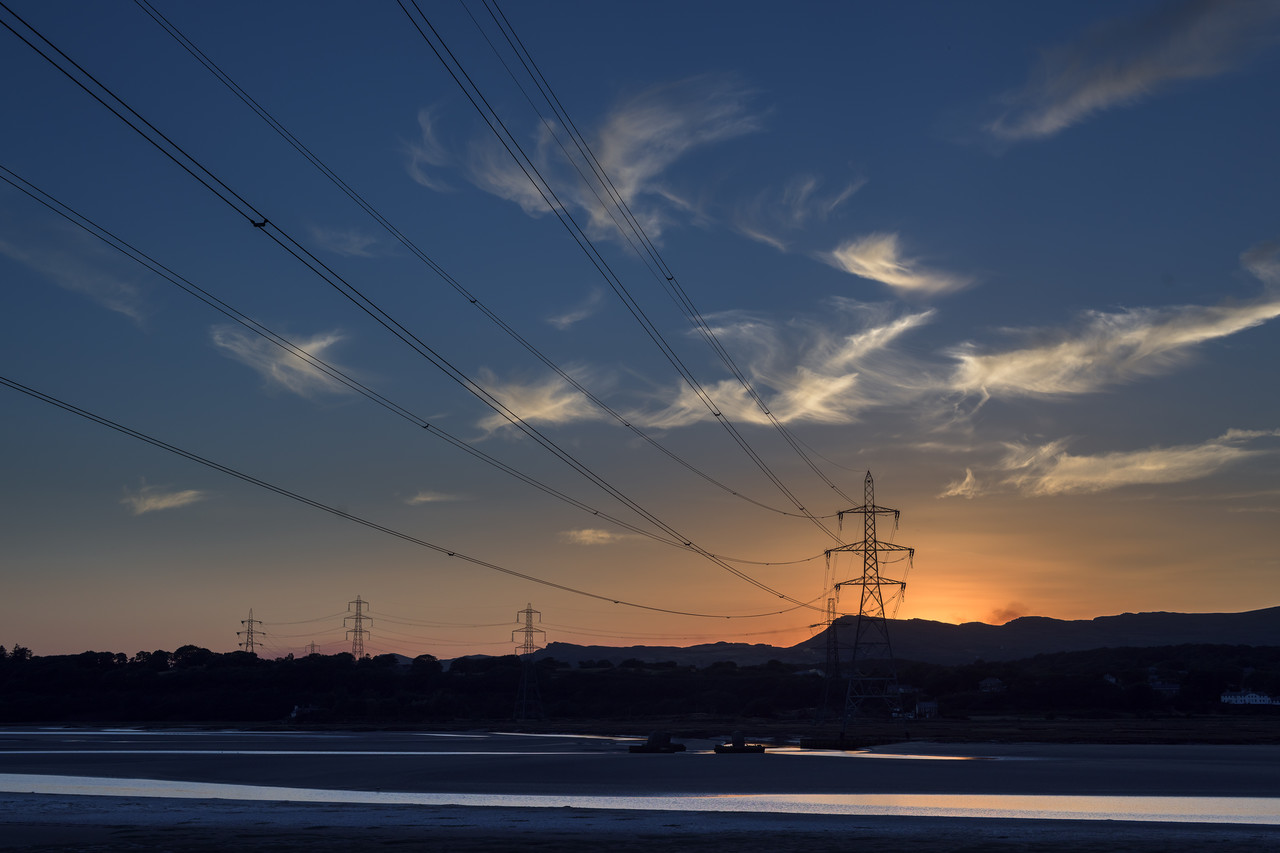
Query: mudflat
point(105, 825)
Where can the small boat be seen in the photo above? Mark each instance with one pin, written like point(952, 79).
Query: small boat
point(658, 742)
point(738, 744)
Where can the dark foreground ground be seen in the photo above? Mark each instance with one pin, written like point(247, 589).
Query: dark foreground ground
point(203, 827)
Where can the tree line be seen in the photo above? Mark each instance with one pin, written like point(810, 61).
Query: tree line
point(193, 684)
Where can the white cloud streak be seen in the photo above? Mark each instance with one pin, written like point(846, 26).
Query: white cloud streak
point(1263, 260)
point(580, 312)
point(551, 401)
point(279, 367)
point(967, 488)
point(806, 370)
point(428, 155)
point(78, 275)
point(1050, 470)
point(877, 257)
point(154, 498)
point(429, 497)
point(592, 536)
point(1123, 61)
point(349, 242)
point(1109, 349)
point(775, 213)
point(637, 144)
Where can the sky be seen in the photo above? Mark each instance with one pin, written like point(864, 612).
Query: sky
point(1020, 261)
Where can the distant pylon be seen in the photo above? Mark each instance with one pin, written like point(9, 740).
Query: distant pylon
point(831, 671)
point(358, 631)
point(250, 642)
point(528, 699)
point(873, 679)
point(312, 648)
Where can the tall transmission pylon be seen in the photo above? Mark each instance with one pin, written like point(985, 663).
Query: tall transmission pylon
point(873, 679)
point(357, 632)
point(250, 642)
point(312, 648)
point(528, 699)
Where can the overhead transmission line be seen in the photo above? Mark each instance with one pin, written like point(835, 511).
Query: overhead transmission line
point(381, 528)
point(142, 258)
point(259, 221)
point(491, 315)
point(544, 189)
point(664, 274)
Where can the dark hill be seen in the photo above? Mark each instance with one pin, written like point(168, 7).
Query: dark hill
point(943, 643)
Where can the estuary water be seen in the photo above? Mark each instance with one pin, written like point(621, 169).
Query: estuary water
point(501, 771)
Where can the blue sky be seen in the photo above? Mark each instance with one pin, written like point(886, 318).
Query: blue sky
point(1018, 260)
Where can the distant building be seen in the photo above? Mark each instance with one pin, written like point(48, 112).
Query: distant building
point(926, 710)
point(1247, 697)
point(991, 685)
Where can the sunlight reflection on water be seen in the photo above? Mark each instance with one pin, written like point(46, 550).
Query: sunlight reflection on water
point(1236, 810)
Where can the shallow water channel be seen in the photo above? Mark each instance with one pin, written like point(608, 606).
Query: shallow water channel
point(1179, 784)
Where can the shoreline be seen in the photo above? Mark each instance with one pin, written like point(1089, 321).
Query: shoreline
point(1208, 730)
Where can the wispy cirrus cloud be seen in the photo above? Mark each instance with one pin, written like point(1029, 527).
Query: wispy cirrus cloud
point(1108, 349)
point(964, 488)
point(594, 536)
point(773, 215)
point(1263, 260)
point(551, 401)
point(155, 498)
point(811, 370)
point(636, 144)
point(73, 263)
point(818, 370)
point(1122, 61)
point(1049, 469)
point(350, 242)
point(429, 497)
point(646, 134)
point(428, 156)
point(878, 257)
point(279, 367)
point(579, 312)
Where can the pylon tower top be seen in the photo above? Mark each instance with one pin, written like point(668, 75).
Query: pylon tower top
point(527, 642)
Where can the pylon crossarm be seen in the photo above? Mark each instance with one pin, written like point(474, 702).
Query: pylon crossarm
point(874, 582)
point(863, 547)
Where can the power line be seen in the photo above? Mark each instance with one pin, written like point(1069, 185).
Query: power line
point(667, 277)
point(432, 264)
point(440, 549)
point(142, 258)
point(261, 223)
point(543, 187)
point(594, 256)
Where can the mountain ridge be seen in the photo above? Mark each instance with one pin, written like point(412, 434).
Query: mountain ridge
point(944, 643)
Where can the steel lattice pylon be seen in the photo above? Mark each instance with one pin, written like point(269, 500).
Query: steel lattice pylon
point(528, 699)
point(872, 676)
point(251, 634)
point(358, 632)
